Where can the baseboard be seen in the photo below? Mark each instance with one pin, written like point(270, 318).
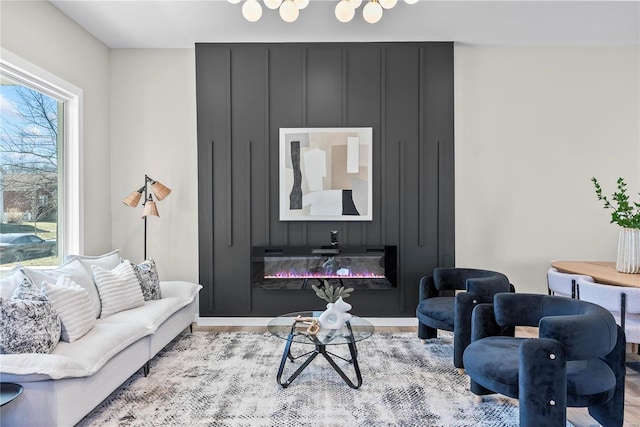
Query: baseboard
point(262, 321)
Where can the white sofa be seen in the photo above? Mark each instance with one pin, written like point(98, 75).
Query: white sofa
point(61, 387)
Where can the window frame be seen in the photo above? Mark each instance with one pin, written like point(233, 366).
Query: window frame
point(30, 75)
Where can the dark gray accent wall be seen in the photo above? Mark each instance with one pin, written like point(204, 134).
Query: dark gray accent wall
point(246, 92)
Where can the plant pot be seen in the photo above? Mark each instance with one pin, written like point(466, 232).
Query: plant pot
point(628, 251)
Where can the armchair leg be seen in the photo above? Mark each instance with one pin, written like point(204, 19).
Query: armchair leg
point(478, 390)
point(426, 332)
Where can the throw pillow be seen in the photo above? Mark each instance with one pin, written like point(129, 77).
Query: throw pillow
point(119, 288)
point(108, 261)
point(10, 281)
point(73, 305)
point(76, 271)
point(29, 325)
point(147, 274)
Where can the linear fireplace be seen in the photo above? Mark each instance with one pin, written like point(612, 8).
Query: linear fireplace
point(296, 267)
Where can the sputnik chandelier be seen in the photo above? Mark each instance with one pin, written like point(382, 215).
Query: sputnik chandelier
point(345, 9)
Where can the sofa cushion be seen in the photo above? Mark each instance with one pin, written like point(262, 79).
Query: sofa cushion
point(81, 358)
point(147, 275)
point(108, 261)
point(27, 367)
point(10, 282)
point(76, 271)
point(175, 296)
point(150, 315)
point(119, 288)
point(73, 305)
point(440, 309)
point(28, 321)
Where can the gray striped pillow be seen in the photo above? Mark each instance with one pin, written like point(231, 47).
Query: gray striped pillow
point(119, 288)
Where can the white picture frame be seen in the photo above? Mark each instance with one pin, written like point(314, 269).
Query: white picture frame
point(326, 174)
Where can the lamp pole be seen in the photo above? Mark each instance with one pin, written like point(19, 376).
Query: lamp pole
point(146, 180)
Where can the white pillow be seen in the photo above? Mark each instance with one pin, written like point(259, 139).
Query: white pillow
point(76, 271)
point(108, 261)
point(73, 305)
point(119, 288)
point(10, 282)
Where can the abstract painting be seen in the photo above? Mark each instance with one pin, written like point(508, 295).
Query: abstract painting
point(325, 174)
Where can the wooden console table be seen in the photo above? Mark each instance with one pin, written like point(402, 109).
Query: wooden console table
point(601, 271)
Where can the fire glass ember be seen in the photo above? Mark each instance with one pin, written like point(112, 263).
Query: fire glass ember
point(318, 268)
point(361, 266)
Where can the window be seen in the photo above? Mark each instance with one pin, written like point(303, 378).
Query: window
point(39, 165)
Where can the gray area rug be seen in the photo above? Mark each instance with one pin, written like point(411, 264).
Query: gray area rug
point(229, 379)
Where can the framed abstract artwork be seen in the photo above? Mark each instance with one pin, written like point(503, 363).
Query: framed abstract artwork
point(325, 174)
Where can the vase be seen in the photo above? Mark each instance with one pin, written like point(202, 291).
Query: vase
point(628, 251)
point(335, 315)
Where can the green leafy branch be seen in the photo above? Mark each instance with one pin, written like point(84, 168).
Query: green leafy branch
point(330, 294)
point(625, 214)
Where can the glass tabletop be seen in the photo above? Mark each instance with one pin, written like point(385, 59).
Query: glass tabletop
point(281, 328)
point(8, 392)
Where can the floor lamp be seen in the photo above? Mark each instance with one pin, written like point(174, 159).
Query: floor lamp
point(150, 208)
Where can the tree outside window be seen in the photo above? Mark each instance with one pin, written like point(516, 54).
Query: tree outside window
point(30, 141)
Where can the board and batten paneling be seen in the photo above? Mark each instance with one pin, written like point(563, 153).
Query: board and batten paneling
point(247, 92)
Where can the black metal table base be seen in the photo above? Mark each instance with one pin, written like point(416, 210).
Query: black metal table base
point(320, 349)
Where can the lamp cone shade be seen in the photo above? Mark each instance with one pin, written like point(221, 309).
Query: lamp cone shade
point(134, 198)
point(161, 191)
point(150, 208)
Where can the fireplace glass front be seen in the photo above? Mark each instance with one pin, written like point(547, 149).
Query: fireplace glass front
point(290, 267)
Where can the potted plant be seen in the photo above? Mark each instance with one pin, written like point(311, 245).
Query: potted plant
point(627, 215)
point(331, 294)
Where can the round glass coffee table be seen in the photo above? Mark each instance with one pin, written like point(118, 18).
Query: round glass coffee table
point(354, 330)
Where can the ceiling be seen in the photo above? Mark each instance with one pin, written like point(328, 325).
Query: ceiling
point(181, 23)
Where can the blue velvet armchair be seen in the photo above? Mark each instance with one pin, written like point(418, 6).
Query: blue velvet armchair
point(440, 308)
point(577, 361)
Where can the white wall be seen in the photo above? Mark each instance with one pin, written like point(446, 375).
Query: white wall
point(44, 36)
point(153, 131)
point(533, 125)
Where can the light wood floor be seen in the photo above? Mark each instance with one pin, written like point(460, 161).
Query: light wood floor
point(579, 417)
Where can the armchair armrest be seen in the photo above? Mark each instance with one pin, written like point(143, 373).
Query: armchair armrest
point(427, 288)
point(542, 382)
point(609, 413)
point(464, 304)
point(483, 322)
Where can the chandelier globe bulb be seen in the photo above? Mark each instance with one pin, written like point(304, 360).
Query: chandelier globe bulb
point(344, 11)
point(289, 11)
point(372, 12)
point(251, 10)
